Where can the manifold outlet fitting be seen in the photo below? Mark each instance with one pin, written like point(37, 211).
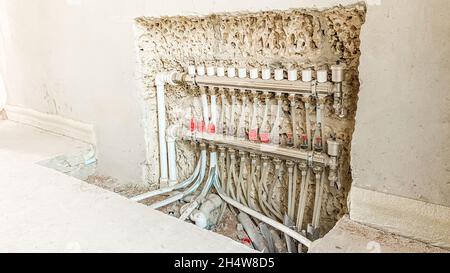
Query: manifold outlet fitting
point(166, 77)
point(337, 77)
point(334, 150)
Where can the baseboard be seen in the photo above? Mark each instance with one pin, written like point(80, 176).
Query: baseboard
point(410, 218)
point(52, 123)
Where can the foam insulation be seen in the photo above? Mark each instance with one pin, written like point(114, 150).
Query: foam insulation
point(298, 38)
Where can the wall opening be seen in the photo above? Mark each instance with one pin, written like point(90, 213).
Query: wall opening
point(298, 38)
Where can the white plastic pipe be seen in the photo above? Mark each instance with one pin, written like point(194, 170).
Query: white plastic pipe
point(172, 162)
point(161, 133)
point(302, 200)
point(212, 167)
point(199, 199)
point(318, 207)
point(179, 186)
point(171, 150)
point(209, 183)
point(290, 189)
point(160, 80)
point(187, 192)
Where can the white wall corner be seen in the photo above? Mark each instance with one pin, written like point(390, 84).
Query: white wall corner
point(52, 123)
point(426, 222)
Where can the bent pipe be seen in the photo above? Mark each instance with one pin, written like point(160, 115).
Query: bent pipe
point(187, 192)
point(179, 186)
point(291, 233)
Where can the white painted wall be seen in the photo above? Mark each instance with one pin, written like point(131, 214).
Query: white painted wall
point(401, 143)
point(76, 59)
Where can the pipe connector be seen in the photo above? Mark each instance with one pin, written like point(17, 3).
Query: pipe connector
point(202, 90)
point(317, 169)
point(221, 151)
point(292, 99)
point(222, 92)
point(279, 96)
point(307, 99)
point(232, 153)
point(290, 166)
point(212, 91)
point(212, 148)
point(277, 163)
point(166, 77)
point(303, 166)
point(334, 152)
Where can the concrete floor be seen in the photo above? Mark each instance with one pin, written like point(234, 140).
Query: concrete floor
point(352, 237)
point(42, 210)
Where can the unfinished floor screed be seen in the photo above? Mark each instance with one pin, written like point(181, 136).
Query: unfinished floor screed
point(304, 39)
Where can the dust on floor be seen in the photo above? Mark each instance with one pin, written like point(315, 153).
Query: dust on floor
point(226, 227)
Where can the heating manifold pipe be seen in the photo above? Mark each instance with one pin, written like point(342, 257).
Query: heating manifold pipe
point(291, 233)
point(179, 186)
point(160, 81)
point(187, 192)
point(320, 182)
point(197, 201)
point(303, 195)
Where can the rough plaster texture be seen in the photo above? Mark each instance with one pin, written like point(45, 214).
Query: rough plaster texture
point(401, 144)
point(44, 210)
point(299, 38)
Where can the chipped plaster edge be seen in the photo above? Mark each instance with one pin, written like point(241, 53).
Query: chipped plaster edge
point(363, 4)
point(426, 222)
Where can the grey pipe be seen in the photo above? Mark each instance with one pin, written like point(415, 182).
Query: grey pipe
point(179, 186)
point(253, 233)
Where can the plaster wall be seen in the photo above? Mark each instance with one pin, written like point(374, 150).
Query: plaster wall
point(401, 144)
point(297, 38)
point(76, 59)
